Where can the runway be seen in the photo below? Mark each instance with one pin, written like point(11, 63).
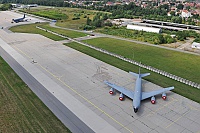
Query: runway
point(82, 77)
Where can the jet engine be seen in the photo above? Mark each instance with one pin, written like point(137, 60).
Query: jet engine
point(121, 97)
point(153, 100)
point(164, 96)
point(111, 91)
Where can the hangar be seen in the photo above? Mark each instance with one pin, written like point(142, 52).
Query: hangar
point(147, 29)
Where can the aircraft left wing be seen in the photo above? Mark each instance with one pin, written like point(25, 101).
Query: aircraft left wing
point(146, 95)
point(124, 91)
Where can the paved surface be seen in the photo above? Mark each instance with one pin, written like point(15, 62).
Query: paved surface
point(34, 78)
point(82, 77)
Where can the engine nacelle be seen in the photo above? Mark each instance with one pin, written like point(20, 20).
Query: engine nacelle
point(121, 97)
point(153, 100)
point(164, 96)
point(111, 91)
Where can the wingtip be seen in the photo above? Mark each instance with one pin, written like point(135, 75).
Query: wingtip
point(170, 88)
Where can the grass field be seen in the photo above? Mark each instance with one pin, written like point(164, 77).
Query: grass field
point(31, 28)
point(71, 13)
point(69, 33)
point(79, 23)
point(20, 109)
point(163, 81)
point(178, 63)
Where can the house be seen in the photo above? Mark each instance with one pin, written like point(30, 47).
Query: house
point(109, 3)
point(195, 45)
point(169, 14)
point(186, 14)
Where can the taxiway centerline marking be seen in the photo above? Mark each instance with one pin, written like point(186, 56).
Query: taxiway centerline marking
point(77, 93)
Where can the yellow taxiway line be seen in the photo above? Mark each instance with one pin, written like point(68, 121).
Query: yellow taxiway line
point(56, 77)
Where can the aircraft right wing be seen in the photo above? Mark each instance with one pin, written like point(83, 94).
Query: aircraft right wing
point(124, 91)
point(146, 95)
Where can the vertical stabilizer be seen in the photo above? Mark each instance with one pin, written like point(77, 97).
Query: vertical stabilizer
point(139, 71)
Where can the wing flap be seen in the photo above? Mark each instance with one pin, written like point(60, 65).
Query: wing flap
point(126, 92)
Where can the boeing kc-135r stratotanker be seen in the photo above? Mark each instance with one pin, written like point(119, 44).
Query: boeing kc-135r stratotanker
point(138, 95)
point(19, 19)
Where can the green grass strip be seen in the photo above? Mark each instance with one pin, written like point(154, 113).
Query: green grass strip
point(31, 28)
point(68, 33)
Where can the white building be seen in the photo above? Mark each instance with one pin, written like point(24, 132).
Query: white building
point(147, 29)
point(195, 45)
point(186, 14)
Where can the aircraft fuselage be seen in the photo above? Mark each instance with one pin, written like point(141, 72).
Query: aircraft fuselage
point(137, 94)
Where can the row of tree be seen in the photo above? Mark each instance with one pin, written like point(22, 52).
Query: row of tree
point(5, 7)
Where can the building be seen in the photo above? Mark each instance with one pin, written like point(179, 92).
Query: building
point(186, 14)
point(143, 28)
point(195, 45)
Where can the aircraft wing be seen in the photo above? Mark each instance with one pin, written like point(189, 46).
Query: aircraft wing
point(124, 91)
point(146, 95)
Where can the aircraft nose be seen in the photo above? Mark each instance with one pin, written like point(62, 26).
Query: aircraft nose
point(135, 110)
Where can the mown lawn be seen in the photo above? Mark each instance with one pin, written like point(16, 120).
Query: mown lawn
point(31, 28)
point(20, 109)
point(182, 89)
point(178, 63)
point(69, 33)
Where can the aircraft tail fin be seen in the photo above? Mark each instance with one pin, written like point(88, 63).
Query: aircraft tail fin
point(24, 16)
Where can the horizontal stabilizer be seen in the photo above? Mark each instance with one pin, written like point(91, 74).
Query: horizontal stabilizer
point(134, 74)
point(144, 75)
point(141, 75)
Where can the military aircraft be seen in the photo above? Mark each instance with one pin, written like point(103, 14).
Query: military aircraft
point(19, 19)
point(138, 95)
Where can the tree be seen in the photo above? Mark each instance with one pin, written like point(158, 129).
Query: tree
point(188, 8)
point(88, 21)
point(172, 13)
point(165, 6)
point(180, 6)
point(5, 7)
point(104, 16)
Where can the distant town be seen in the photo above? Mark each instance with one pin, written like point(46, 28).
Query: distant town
point(183, 8)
